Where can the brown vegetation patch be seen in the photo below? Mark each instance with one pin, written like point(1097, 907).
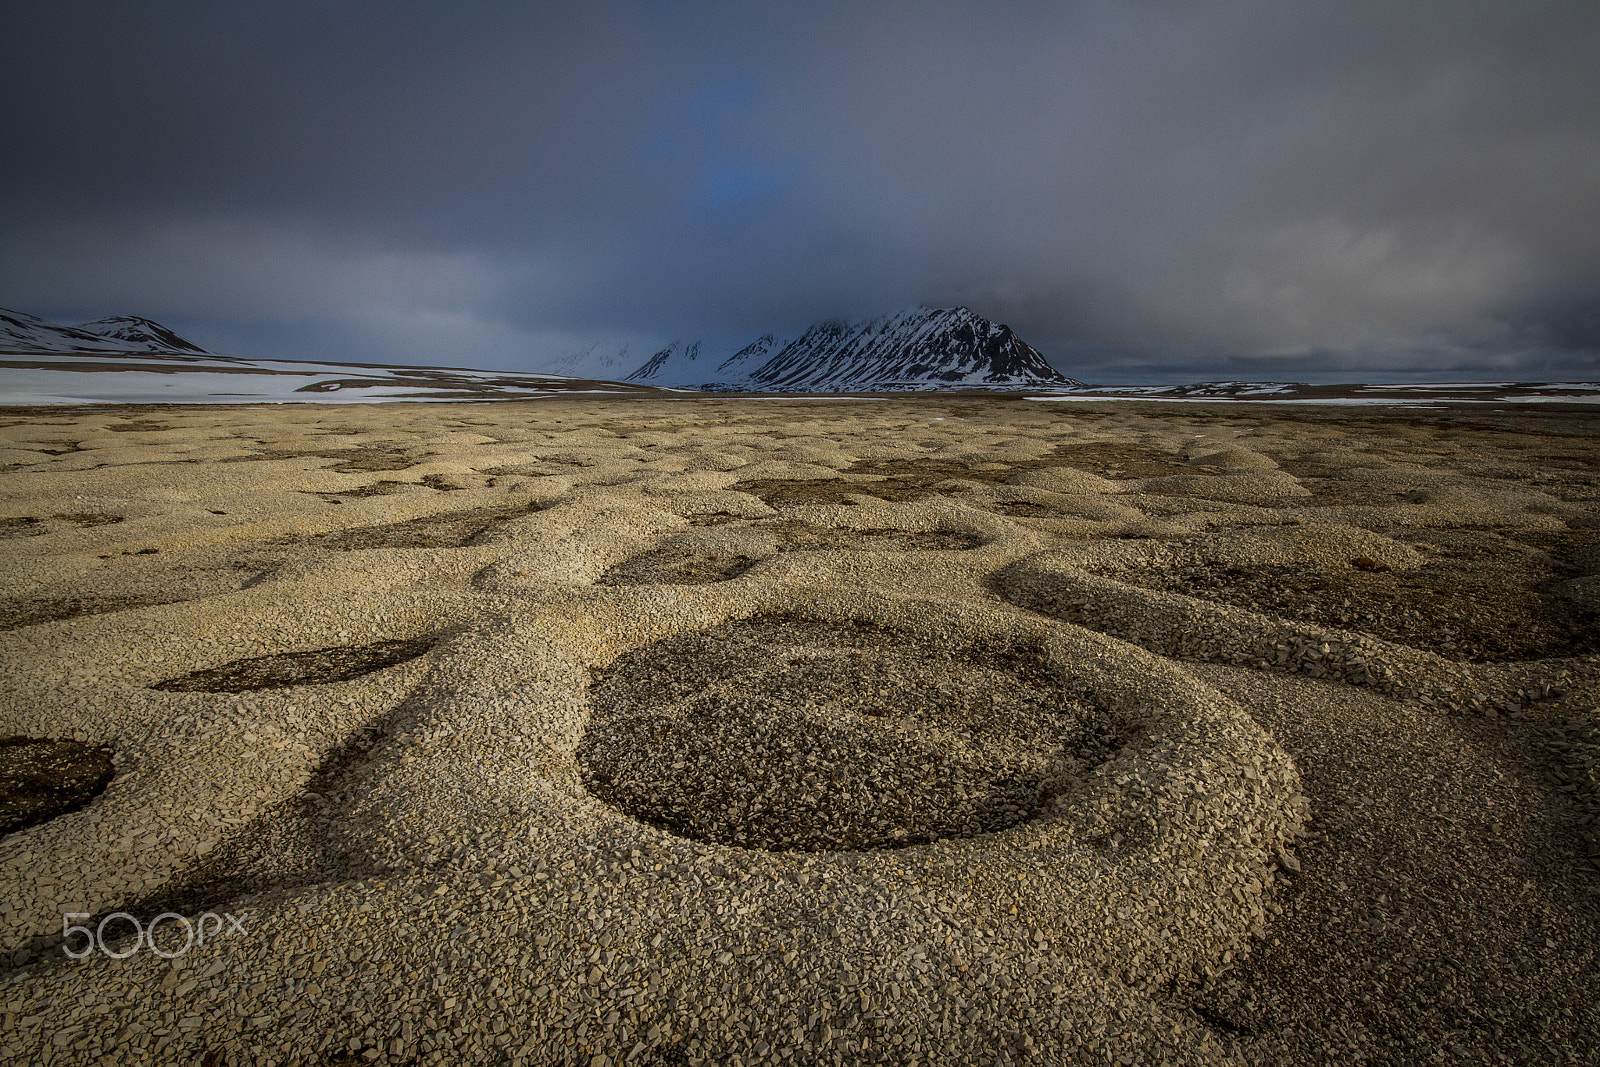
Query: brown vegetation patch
point(40, 779)
point(792, 735)
point(317, 667)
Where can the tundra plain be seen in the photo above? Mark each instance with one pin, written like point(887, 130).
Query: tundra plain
point(940, 729)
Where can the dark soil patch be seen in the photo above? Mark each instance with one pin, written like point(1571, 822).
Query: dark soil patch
point(1340, 486)
point(66, 449)
point(913, 479)
point(791, 735)
point(84, 518)
point(317, 667)
point(138, 426)
point(916, 478)
point(1022, 509)
point(719, 518)
point(804, 537)
point(678, 565)
point(456, 529)
point(533, 470)
point(140, 590)
point(384, 487)
point(1120, 461)
point(1442, 911)
point(1478, 597)
point(40, 779)
point(17, 612)
point(792, 492)
point(360, 460)
point(353, 460)
point(28, 526)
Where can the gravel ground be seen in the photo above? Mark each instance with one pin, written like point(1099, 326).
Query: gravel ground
point(716, 731)
point(1474, 596)
point(1445, 908)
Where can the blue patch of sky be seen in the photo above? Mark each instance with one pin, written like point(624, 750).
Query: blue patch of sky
point(714, 135)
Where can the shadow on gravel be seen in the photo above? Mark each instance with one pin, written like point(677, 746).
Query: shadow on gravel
point(294, 843)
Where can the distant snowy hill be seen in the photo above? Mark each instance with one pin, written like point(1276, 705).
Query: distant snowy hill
point(593, 363)
point(919, 348)
point(146, 335)
point(125, 360)
point(22, 334)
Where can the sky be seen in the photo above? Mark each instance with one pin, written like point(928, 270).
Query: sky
point(1147, 192)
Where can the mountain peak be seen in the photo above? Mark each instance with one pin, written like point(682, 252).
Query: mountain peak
point(915, 348)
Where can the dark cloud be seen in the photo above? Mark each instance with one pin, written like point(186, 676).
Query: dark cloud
point(1155, 189)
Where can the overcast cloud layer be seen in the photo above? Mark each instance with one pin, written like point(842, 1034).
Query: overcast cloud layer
point(1146, 192)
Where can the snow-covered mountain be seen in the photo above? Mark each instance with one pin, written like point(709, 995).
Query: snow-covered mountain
point(21, 334)
point(679, 360)
point(919, 348)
